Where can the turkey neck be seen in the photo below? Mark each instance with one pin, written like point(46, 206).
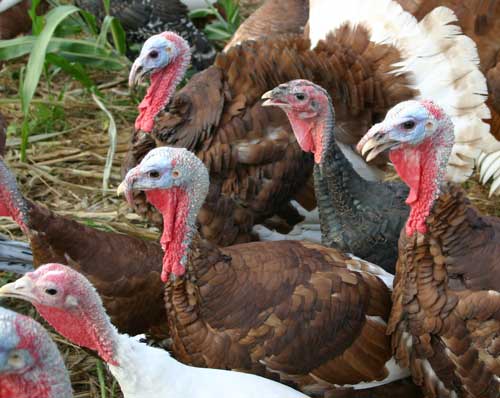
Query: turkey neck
point(163, 85)
point(333, 179)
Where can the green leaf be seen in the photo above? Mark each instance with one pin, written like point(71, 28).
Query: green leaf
point(106, 4)
point(36, 21)
point(73, 69)
point(119, 37)
point(37, 57)
point(105, 27)
point(201, 13)
point(90, 20)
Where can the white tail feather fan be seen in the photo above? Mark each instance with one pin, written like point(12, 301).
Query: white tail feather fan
point(442, 62)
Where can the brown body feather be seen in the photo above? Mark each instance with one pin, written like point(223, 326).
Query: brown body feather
point(274, 17)
point(480, 20)
point(289, 310)
point(446, 311)
point(16, 20)
point(255, 163)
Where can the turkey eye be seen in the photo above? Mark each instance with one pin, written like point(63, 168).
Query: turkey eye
point(16, 360)
point(153, 54)
point(300, 96)
point(153, 174)
point(408, 125)
point(51, 292)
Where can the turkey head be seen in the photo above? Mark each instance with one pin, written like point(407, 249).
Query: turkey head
point(176, 183)
point(309, 111)
point(419, 136)
point(165, 57)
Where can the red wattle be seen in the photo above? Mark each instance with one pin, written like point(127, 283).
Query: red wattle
point(173, 204)
point(417, 167)
point(78, 330)
point(163, 84)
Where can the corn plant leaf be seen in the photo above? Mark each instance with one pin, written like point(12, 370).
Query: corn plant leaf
point(37, 58)
point(75, 70)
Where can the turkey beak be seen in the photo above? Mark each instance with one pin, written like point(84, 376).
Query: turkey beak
point(137, 72)
point(376, 141)
point(273, 97)
point(268, 96)
point(126, 187)
point(21, 289)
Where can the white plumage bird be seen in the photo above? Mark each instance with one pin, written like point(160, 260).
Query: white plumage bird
point(68, 301)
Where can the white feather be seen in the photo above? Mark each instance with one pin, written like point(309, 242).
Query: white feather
point(441, 62)
point(489, 166)
point(148, 372)
point(6, 4)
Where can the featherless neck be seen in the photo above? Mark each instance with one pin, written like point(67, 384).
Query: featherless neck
point(86, 325)
point(179, 207)
point(161, 89)
point(332, 180)
point(423, 169)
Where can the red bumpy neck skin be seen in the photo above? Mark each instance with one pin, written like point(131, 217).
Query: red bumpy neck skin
point(309, 134)
point(47, 376)
point(421, 169)
point(17, 386)
point(173, 204)
point(162, 87)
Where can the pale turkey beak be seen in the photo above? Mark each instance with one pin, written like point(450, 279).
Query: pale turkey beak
point(21, 289)
point(273, 97)
point(126, 187)
point(137, 73)
point(268, 95)
point(376, 141)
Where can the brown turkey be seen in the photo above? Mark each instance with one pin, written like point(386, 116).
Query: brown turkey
point(445, 320)
point(480, 20)
point(255, 163)
point(299, 312)
point(125, 270)
point(274, 17)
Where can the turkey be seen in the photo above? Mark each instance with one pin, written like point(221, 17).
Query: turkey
point(473, 141)
point(14, 17)
point(143, 18)
point(357, 216)
point(445, 320)
point(479, 20)
point(273, 17)
point(125, 270)
point(296, 311)
point(255, 163)
point(30, 363)
point(66, 299)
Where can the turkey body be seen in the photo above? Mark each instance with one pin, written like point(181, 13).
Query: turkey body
point(261, 307)
point(143, 18)
point(274, 17)
point(125, 270)
point(255, 163)
point(445, 318)
point(359, 216)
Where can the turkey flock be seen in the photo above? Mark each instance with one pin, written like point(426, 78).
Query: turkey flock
point(289, 265)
